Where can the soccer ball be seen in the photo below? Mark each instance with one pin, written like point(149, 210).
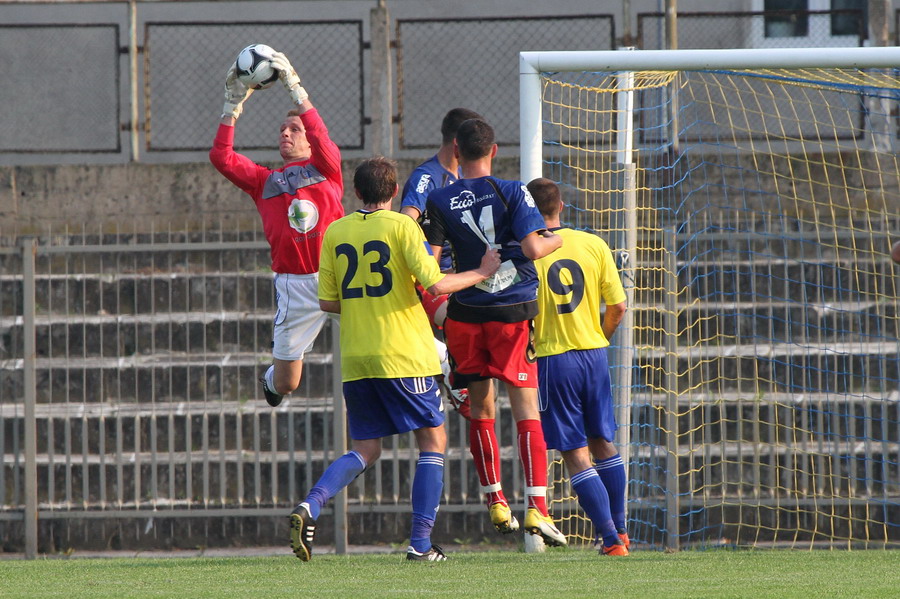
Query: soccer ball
point(254, 67)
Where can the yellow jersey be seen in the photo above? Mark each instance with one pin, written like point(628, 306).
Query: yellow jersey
point(574, 281)
point(370, 262)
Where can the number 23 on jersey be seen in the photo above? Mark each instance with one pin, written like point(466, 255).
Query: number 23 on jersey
point(376, 254)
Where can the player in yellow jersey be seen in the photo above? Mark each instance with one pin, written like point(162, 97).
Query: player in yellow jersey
point(573, 374)
point(370, 262)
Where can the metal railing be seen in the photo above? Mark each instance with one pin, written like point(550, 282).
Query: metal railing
point(128, 391)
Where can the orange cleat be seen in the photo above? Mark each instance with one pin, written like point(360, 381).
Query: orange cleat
point(618, 550)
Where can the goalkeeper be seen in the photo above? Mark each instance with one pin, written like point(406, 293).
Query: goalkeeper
point(296, 202)
point(573, 375)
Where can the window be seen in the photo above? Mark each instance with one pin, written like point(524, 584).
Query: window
point(850, 23)
point(794, 22)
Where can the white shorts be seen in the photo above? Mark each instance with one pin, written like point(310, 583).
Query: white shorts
point(299, 318)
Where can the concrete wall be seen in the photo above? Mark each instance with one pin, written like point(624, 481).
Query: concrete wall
point(35, 199)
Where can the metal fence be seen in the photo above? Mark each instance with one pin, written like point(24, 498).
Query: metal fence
point(130, 407)
point(89, 72)
point(178, 116)
point(444, 63)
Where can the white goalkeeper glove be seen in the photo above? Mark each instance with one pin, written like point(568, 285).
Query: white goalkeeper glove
point(289, 77)
point(235, 94)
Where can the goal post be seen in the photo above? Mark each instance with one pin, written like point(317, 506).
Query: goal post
point(532, 64)
point(755, 194)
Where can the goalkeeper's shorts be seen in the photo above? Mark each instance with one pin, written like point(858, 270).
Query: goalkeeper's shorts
point(299, 318)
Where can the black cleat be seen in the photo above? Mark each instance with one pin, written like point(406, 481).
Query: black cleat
point(272, 398)
point(435, 554)
point(303, 530)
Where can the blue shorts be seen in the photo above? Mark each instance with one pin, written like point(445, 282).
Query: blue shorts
point(575, 398)
point(383, 407)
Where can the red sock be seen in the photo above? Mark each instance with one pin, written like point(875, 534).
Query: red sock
point(483, 445)
point(533, 453)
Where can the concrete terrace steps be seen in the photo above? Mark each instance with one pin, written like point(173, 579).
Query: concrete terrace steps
point(233, 330)
point(821, 282)
point(830, 366)
point(144, 377)
point(126, 335)
point(726, 420)
point(142, 293)
point(139, 322)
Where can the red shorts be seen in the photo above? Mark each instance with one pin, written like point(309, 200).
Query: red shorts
point(500, 350)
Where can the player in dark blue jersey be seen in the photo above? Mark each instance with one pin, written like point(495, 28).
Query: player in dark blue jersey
point(440, 170)
point(488, 327)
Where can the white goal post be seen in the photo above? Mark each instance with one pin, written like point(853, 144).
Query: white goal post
point(612, 128)
point(532, 64)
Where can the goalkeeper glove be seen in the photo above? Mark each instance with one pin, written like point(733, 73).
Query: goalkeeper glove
point(289, 77)
point(235, 94)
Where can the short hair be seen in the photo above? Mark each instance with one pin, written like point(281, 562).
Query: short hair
point(475, 139)
point(453, 119)
point(546, 196)
point(294, 112)
point(375, 180)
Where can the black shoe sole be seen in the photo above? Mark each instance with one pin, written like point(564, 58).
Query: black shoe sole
point(301, 548)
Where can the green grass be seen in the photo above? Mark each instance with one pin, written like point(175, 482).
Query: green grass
point(557, 573)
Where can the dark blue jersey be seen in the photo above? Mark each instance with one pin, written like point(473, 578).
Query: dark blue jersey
point(473, 213)
point(427, 177)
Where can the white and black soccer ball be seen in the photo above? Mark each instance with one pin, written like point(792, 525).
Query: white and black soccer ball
point(254, 66)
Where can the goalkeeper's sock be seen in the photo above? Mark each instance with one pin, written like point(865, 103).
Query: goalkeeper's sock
point(337, 476)
point(428, 485)
point(612, 473)
point(483, 446)
point(594, 501)
point(533, 453)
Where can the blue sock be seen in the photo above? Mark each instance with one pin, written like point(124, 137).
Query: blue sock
point(337, 476)
point(595, 503)
point(612, 473)
point(428, 486)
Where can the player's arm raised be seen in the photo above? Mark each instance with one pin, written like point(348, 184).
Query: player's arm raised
point(236, 93)
point(325, 156)
point(237, 168)
point(291, 81)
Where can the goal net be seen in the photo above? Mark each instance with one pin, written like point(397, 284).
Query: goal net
point(752, 197)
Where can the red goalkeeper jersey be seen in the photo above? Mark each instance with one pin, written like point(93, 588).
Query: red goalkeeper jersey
point(296, 202)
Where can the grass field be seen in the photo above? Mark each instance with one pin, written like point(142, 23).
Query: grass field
point(557, 573)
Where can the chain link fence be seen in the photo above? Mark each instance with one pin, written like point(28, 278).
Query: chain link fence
point(49, 67)
point(185, 66)
point(443, 63)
